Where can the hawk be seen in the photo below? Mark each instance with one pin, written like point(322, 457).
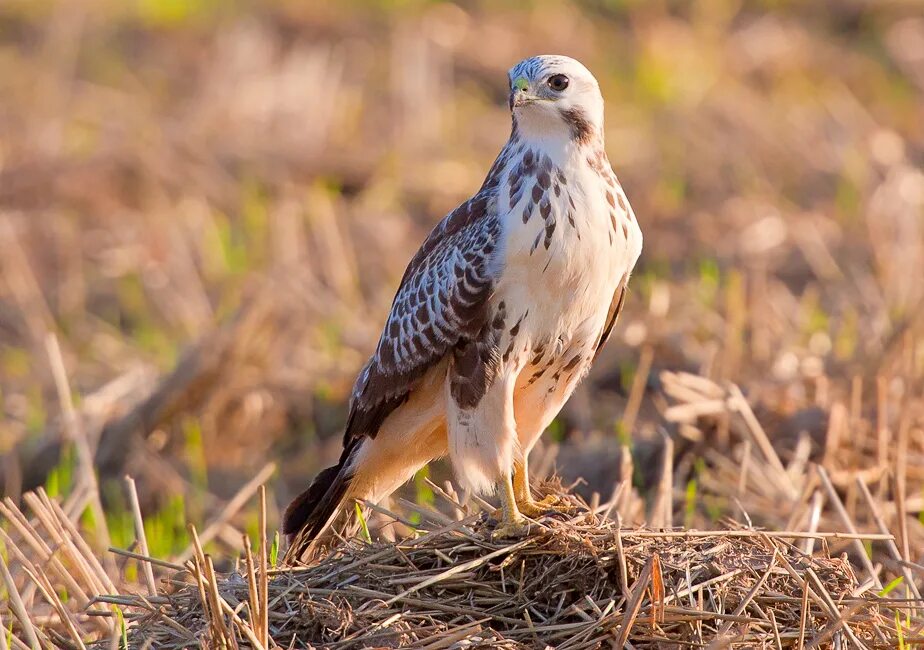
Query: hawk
point(499, 315)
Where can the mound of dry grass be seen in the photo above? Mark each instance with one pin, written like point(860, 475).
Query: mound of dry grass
point(578, 582)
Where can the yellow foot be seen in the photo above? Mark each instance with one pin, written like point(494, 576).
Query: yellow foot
point(555, 503)
point(544, 506)
point(507, 529)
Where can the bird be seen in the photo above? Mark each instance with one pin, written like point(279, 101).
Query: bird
point(499, 315)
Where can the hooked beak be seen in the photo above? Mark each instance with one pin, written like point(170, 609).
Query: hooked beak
point(521, 97)
point(519, 93)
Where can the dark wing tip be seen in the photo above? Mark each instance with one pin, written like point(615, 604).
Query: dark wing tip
point(303, 508)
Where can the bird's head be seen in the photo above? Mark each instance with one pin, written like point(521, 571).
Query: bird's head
point(555, 96)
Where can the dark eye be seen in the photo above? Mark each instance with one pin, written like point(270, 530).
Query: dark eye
point(558, 82)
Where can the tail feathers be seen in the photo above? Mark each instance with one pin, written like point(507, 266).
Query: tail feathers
point(314, 508)
point(305, 511)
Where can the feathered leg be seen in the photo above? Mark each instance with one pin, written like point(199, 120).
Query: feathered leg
point(483, 439)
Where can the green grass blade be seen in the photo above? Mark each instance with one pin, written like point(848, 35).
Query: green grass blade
point(362, 522)
point(274, 549)
point(889, 587)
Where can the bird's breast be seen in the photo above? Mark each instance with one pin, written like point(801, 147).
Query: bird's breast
point(568, 230)
point(570, 238)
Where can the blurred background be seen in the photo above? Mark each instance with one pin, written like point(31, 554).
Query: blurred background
point(206, 208)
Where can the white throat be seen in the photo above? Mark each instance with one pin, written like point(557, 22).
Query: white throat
point(560, 148)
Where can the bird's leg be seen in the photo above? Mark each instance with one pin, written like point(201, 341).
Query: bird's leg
point(524, 497)
point(513, 523)
point(521, 489)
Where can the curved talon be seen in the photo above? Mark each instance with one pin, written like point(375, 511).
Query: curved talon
point(532, 509)
point(515, 528)
point(556, 503)
point(544, 506)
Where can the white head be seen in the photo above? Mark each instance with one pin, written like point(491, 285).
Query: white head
point(553, 97)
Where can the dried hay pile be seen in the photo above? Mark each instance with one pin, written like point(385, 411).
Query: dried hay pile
point(573, 583)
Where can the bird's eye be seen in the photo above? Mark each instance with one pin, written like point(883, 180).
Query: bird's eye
point(558, 82)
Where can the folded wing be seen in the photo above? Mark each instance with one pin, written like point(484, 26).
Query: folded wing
point(442, 302)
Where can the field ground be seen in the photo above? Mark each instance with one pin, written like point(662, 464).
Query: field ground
point(205, 209)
